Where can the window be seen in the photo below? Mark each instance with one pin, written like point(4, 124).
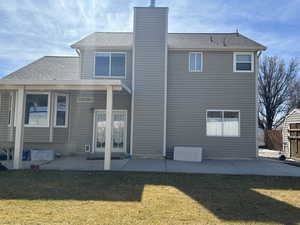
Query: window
point(37, 110)
point(195, 61)
point(223, 123)
point(13, 101)
point(243, 62)
point(61, 110)
point(109, 64)
point(10, 110)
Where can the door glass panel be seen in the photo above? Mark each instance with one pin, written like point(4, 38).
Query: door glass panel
point(118, 131)
point(100, 130)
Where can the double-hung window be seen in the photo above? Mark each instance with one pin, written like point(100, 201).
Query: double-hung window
point(110, 64)
point(195, 61)
point(243, 62)
point(37, 110)
point(61, 110)
point(224, 123)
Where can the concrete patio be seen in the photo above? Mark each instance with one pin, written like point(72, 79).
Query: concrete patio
point(236, 167)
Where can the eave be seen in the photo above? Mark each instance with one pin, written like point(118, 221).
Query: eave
point(91, 85)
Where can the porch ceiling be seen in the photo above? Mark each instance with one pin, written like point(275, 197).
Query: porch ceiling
point(99, 84)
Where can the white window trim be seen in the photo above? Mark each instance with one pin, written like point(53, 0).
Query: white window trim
point(222, 111)
point(49, 108)
point(55, 110)
point(109, 75)
point(234, 62)
point(195, 71)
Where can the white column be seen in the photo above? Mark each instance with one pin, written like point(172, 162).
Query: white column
point(52, 112)
point(19, 136)
point(108, 134)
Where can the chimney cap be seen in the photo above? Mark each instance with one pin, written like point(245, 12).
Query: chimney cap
point(152, 3)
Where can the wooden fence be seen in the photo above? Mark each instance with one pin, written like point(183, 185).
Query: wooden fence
point(273, 139)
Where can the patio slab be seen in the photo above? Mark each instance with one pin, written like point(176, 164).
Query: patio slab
point(207, 166)
point(78, 163)
point(145, 165)
point(233, 167)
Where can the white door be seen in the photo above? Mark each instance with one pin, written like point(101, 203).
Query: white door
point(119, 130)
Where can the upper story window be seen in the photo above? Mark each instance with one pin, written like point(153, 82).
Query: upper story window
point(224, 123)
point(243, 62)
point(110, 64)
point(37, 110)
point(195, 61)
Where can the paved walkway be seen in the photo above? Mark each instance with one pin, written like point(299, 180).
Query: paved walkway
point(235, 167)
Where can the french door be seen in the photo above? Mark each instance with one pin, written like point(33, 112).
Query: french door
point(119, 130)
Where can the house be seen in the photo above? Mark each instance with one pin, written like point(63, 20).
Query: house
point(141, 92)
point(291, 135)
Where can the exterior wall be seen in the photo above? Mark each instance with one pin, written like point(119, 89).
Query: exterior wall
point(150, 37)
point(88, 66)
point(80, 125)
point(293, 117)
point(217, 87)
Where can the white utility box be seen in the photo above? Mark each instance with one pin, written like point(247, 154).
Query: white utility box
point(188, 153)
point(42, 155)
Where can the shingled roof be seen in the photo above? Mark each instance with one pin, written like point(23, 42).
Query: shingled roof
point(49, 68)
point(213, 41)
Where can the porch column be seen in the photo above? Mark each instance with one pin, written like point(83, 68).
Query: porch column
point(19, 136)
point(108, 134)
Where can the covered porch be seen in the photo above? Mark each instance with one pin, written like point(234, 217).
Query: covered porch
point(105, 113)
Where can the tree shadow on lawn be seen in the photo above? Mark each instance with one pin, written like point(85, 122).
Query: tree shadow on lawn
point(230, 198)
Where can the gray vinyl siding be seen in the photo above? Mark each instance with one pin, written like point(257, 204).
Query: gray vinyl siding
point(36, 134)
point(217, 87)
point(88, 67)
point(293, 117)
point(150, 48)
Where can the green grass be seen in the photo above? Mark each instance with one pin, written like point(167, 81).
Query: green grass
point(44, 197)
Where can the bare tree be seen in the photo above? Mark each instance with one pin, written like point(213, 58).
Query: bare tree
point(274, 87)
point(294, 101)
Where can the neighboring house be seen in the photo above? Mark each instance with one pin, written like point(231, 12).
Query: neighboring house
point(150, 89)
point(291, 135)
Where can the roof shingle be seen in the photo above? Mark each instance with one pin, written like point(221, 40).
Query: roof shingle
point(49, 68)
point(175, 41)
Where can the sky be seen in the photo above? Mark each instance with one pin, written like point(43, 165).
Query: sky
point(30, 29)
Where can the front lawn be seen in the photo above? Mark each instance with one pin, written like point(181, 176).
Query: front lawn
point(44, 197)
